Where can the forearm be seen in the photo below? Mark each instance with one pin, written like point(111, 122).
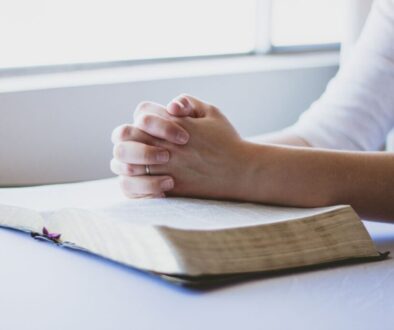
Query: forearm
point(308, 177)
point(283, 137)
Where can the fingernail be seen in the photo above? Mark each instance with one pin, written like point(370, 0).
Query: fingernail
point(182, 137)
point(163, 156)
point(167, 184)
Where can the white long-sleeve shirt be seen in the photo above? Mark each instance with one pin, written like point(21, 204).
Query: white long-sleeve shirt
point(356, 112)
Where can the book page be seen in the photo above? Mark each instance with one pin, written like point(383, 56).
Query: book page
point(202, 214)
point(105, 198)
point(20, 218)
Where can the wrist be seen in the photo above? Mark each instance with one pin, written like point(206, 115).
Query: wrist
point(254, 164)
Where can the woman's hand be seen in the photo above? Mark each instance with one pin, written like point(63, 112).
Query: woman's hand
point(209, 164)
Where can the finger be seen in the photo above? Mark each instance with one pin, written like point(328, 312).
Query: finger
point(120, 168)
point(187, 105)
point(162, 128)
point(146, 185)
point(139, 153)
point(180, 108)
point(154, 120)
point(151, 108)
point(127, 132)
point(139, 196)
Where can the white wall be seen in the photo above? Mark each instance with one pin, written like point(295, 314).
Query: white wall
point(63, 134)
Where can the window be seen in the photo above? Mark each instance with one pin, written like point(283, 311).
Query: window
point(306, 22)
point(46, 32)
point(56, 32)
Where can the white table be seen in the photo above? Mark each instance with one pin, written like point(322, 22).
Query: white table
point(46, 287)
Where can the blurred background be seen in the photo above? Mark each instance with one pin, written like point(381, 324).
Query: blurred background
point(72, 70)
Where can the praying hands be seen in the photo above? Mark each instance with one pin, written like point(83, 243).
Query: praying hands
point(188, 148)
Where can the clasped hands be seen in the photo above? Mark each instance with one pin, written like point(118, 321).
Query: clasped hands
point(191, 148)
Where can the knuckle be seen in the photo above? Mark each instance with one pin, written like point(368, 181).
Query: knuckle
point(115, 134)
point(130, 169)
point(134, 134)
point(146, 120)
point(137, 135)
point(124, 132)
point(142, 106)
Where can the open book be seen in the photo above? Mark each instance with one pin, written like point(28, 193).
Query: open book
point(191, 239)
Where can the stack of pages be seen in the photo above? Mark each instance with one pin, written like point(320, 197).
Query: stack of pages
point(188, 241)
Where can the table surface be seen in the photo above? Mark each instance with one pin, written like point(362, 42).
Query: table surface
point(46, 287)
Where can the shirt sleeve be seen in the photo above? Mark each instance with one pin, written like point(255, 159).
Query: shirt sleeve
point(356, 112)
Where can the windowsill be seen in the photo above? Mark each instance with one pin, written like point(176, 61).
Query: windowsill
point(170, 70)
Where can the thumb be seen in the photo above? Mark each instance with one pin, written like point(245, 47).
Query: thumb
point(189, 106)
